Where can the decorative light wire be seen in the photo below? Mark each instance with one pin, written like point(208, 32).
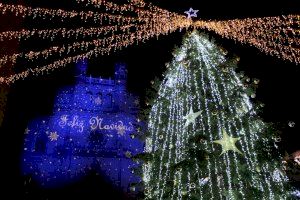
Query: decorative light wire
point(277, 36)
point(74, 47)
point(63, 15)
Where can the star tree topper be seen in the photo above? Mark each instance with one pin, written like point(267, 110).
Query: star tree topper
point(228, 143)
point(191, 13)
point(191, 117)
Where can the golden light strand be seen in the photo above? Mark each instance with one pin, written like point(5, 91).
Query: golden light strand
point(25, 11)
point(120, 41)
point(110, 6)
point(60, 49)
point(62, 32)
point(276, 36)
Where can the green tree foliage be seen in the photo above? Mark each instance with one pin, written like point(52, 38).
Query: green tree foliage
point(206, 140)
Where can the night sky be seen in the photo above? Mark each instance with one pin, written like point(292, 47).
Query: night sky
point(278, 88)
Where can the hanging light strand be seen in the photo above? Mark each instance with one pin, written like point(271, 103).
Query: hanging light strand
point(25, 11)
point(110, 6)
point(114, 43)
point(276, 36)
point(51, 34)
point(56, 49)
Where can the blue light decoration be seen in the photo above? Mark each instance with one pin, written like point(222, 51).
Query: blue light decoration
point(90, 129)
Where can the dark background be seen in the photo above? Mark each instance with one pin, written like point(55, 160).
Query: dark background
point(278, 88)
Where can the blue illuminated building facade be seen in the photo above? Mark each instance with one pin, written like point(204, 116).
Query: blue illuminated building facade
point(90, 129)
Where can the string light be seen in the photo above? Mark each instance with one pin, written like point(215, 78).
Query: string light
point(112, 6)
point(138, 21)
point(25, 11)
point(114, 43)
point(62, 32)
point(276, 36)
point(54, 33)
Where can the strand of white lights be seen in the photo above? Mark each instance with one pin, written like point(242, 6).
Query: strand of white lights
point(245, 100)
point(190, 99)
point(60, 63)
point(213, 87)
point(226, 89)
point(250, 156)
point(132, 6)
point(184, 107)
point(142, 33)
point(202, 127)
point(168, 141)
point(208, 114)
point(109, 6)
point(25, 11)
point(199, 100)
point(178, 127)
point(208, 145)
point(180, 184)
point(164, 146)
point(199, 105)
point(154, 145)
point(120, 41)
point(251, 133)
point(217, 98)
point(276, 36)
point(149, 148)
point(155, 14)
point(56, 49)
point(189, 185)
point(180, 136)
point(170, 133)
point(62, 32)
point(31, 56)
point(173, 134)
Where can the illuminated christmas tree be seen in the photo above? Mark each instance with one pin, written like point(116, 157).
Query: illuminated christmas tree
point(206, 140)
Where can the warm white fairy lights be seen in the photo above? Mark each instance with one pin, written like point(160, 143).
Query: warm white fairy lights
point(101, 47)
point(70, 48)
point(277, 36)
point(149, 22)
point(51, 34)
point(205, 87)
point(63, 15)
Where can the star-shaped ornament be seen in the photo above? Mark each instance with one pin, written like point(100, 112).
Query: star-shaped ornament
point(228, 143)
point(191, 13)
point(121, 131)
point(98, 101)
point(53, 136)
point(191, 117)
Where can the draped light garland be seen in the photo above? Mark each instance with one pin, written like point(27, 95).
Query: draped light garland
point(121, 25)
point(277, 36)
